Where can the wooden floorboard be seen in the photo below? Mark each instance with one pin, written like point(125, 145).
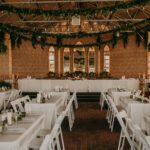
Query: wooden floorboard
point(90, 130)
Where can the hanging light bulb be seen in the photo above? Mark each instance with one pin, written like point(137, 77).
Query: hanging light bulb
point(75, 20)
point(117, 34)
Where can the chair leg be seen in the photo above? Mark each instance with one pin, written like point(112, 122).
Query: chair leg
point(70, 120)
point(62, 140)
point(112, 123)
point(121, 141)
point(108, 112)
point(58, 142)
point(76, 103)
point(102, 104)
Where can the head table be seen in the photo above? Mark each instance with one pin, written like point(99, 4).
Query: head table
point(35, 85)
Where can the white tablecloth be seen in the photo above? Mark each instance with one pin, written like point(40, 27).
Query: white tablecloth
point(116, 95)
point(136, 110)
point(16, 141)
point(49, 108)
point(34, 85)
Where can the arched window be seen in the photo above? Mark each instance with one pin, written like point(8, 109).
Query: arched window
point(66, 60)
point(106, 58)
point(91, 59)
point(52, 59)
point(79, 58)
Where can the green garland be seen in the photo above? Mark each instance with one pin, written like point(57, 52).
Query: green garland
point(138, 38)
point(13, 29)
point(17, 34)
point(71, 12)
point(2, 42)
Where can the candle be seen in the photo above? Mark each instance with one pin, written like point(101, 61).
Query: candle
point(9, 118)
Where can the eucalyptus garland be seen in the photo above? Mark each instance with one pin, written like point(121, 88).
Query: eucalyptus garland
point(17, 34)
point(13, 29)
point(125, 39)
point(115, 39)
point(3, 47)
point(138, 39)
point(71, 12)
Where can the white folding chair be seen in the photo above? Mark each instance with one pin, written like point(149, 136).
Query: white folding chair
point(17, 106)
point(113, 111)
point(102, 100)
point(15, 94)
point(75, 101)
point(124, 132)
point(69, 111)
point(53, 139)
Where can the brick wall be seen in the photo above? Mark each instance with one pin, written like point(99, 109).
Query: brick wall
point(4, 65)
point(27, 61)
point(129, 61)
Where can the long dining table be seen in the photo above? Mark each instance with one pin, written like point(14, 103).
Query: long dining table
point(137, 111)
point(85, 85)
point(18, 136)
point(49, 108)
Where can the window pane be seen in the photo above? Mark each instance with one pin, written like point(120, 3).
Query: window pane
point(51, 59)
point(66, 60)
point(106, 58)
point(91, 60)
point(79, 59)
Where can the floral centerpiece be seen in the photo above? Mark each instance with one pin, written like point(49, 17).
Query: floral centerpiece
point(4, 85)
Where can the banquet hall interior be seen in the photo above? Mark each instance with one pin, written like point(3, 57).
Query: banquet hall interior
point(74, 74)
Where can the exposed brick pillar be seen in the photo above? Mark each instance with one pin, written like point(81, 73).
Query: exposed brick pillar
point(56, 60)
point(97, 60)
point(148, 59)
point(87, 60)
point(61, 60)
point(101, 59)
point(71, 59)
point(8, 43)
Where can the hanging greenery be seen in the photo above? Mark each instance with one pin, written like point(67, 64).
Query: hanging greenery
point(3, 47)
point(125, 39)
point(145, 37)
point(22, 31)
point(43, 41)
point(59, 41)
point(13, 38)
point(115, 39)
point(2, 42)
point(33, 39)
point(19, 41)
point(138, 38)
point(72, 12)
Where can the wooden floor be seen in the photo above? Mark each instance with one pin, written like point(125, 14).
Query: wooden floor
point(90, 130)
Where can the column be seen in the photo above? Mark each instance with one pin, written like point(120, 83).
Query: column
point(60, 61)
point(8, 43)
point(102, 59)
point(87, 60)
point(97, 64)
point(148, 58)
point(56, 60)
point(71, 59)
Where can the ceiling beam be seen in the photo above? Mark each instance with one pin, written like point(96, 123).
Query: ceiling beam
point(60, 1)
point(53, 21)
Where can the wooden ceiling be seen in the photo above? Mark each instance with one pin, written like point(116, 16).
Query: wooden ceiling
point(96, 23)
